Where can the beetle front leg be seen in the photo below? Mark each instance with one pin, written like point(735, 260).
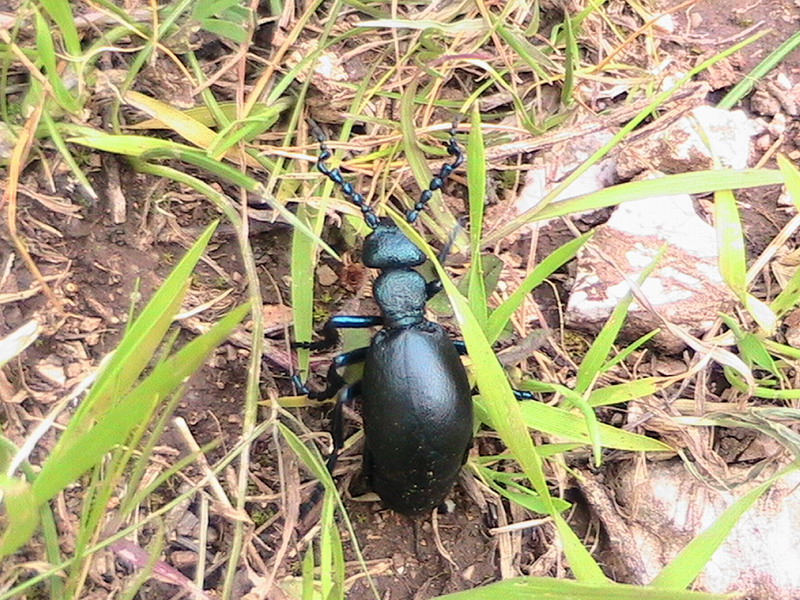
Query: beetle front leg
point(330, 333)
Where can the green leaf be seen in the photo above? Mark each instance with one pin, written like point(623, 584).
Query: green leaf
point(571, 59)
point(774, 58)
point(547, 588)
point(630, 390)
point(506, 415)
point(21, 515)
point(730, 242)
point(139, 344)
point(225, 29)
point(85, 450)
point(61, 12)
point(476, 183)
point(570, 426)
point(697, 182)
point(47, 55)
point(593, 362)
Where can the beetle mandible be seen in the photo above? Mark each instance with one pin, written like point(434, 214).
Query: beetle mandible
point(415, 394)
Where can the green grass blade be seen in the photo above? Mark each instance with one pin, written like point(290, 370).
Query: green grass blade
point(536, 60)
point(506, 415)
point(417, 161)
point(593, 362)
point(314, 462)
point(61, 12)
point(732, 259)
point(66, 154)
point(307, 592)
point(141, 339)
point(546, 203)
point(571, 60)
point(789, 296)
point(15, 342)
point(476, 183)
point(623, 354)
point(741, 89)
point(246, 129)
point(730, 242)
point(302, 267)
point(792, 176)
point(150, 148)
point(127, 145)
point(630, 390)
point(84, 449)
point(547, 588)
point(570, 426)
point(331, 554)
point(47, 55)
point(697, 182)
point(87, 449)
point(21, 515)
point(555, 260)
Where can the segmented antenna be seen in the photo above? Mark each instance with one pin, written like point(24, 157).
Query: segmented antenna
point(335, 175)
point(372, 220)
point(438, 181)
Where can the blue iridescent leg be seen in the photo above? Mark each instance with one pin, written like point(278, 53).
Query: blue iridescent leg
point(461, 347)
point(330, 333)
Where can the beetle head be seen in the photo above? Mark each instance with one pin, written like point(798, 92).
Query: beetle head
point(388, 248)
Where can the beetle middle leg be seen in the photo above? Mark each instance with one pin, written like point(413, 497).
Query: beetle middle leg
point(334, 380)
point(461, 347)
point(349, 393)
point(334, 383)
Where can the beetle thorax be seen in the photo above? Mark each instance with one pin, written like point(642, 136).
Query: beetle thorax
point(401, 296)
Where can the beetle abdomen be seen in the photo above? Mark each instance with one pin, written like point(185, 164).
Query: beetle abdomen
point(417, 410)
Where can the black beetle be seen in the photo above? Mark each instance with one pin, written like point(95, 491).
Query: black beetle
point(416, 398)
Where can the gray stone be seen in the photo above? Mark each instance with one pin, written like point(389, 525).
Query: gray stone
point(692, 143)
point(686, 288)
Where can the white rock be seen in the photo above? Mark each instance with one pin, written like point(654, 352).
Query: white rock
point(547, 172)
point(692, 143)
point(669, 507)
point(686, 288)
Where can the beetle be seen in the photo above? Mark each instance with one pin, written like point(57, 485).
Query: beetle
point(415, 395)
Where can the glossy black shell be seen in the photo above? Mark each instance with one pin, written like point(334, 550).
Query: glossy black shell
point(417, 410)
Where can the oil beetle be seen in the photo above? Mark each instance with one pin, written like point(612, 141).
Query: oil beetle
point(416, 398)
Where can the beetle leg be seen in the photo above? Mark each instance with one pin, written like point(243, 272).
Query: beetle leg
point(330, 333)
point(334, 381)
point(433, 287)
point(337, 434)
point(461, 347)
point(337, 422)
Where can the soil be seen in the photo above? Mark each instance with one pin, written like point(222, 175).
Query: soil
point(99, 269)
